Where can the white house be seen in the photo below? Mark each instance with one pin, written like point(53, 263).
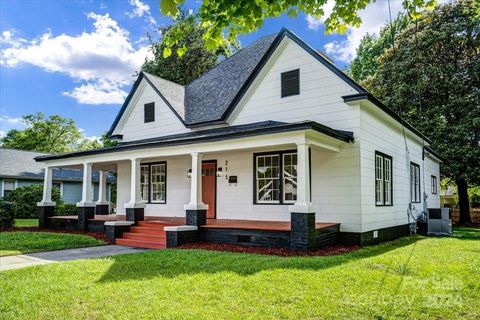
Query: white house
point(274, 133)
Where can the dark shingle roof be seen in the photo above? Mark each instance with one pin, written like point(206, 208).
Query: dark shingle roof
point(210, 135)
point(207, 97)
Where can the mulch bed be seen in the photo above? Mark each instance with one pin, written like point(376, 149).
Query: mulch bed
point(283, 252)
point(97, 235)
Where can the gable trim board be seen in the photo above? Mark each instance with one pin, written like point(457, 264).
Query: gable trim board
point(125, 105)
point(213, 135)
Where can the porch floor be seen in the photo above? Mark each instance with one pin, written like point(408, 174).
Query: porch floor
point(256, 225)
point(211, 223)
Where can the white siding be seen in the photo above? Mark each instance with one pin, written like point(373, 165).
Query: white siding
point(135, 128)
point(432, 168)
point(320, 97)
point(377, 135)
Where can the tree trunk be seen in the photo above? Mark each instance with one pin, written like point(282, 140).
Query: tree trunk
point(463, 202)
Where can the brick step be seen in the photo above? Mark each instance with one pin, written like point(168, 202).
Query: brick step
point(154, 225)
point(146, 230)
point(144, 236)
point(141, 244)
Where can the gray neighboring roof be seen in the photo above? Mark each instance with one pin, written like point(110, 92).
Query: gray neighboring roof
point(211, 135)
point(21, 164)
point(207, 97)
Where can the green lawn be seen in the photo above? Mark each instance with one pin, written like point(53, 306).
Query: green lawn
point(411, 278)
point(26, 223)
point(12, 243)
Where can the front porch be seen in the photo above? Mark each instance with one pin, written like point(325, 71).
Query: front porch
point(203, 192)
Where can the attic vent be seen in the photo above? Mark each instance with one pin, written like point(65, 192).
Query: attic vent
point(291, 83)
point(149, 112)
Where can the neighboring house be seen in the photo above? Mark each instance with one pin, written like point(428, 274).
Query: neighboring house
point(274, 133)
point(18, 168)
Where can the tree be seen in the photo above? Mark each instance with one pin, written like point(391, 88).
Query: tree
point(371, 47)
point(244, 16)
point(181, 65)
point(52, 134)
point(432, 79)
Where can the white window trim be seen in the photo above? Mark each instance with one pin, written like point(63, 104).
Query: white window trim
point(148, 183)
point(258, 179)
point(283, 177)
point(164, 164)
point(15, 184)
point(61, 187)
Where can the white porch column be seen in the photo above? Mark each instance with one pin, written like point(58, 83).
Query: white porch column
point(102, 187)
point(47, 189)
point(87, 200)
point(303, 204)
point(135, 196)
point(196, 202)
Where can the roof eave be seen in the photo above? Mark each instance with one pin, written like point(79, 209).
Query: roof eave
point(366, 96)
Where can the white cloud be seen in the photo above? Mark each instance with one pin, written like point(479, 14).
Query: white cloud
point(140, 9)
point(2, 134)
point(11, 121)
point(100, 92)
point(314, 23)
point(103, 60)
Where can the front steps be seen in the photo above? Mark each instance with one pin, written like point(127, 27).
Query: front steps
point(148, 234)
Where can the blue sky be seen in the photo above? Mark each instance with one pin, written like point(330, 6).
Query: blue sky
point(77, 58)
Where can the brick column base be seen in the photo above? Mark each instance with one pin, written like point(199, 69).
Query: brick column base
point(180, 235)
point(115, 229)
point(196, 217)
point(101, 209)
point(85, 213)
point(135, 214)
point(44, 213)
point(302, 231)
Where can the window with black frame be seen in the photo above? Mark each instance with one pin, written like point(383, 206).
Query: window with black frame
point(383, 180)
point(276, 178)
point(153, 182)
point(415, 183)
point(434, 184)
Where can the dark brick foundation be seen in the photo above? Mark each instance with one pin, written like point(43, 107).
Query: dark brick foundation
point(196, 217)
point(135, 214)
point(366, 238)
point(101, 209)
point(302, 234)
point(265, 238)
point(85, 213)
point(44, 213)
point(176, 238)
point(113, 232)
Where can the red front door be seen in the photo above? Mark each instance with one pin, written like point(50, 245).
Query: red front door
point(209, 176)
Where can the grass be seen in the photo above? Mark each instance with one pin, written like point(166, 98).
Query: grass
point(12, 243)
point(26, 223)
point(410, 278)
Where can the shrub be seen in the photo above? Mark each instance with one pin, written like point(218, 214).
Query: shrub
point(25, 200)
point(7, 215)
point(66, 209)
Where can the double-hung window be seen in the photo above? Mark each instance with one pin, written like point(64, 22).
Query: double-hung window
point(8, 186)
point(153, 182)
point(276, 178)
point(434, 185)
point(414, 183)
point(383, 180)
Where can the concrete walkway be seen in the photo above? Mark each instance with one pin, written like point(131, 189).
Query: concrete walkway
point(33, 259)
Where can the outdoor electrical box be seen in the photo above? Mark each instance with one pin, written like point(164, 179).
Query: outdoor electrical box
point(439, 221)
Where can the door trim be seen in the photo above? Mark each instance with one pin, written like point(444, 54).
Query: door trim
point(215, 162)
